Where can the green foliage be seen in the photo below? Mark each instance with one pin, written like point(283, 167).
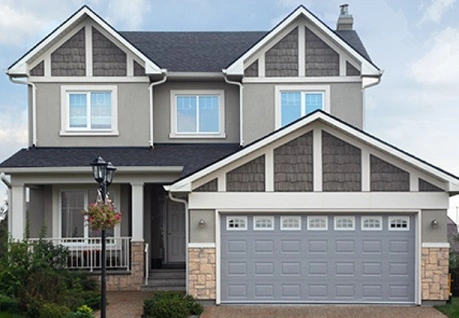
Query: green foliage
point(82, 312)
point(52, 310)
point(8, 303)
point(451, 310)
point(172, 305)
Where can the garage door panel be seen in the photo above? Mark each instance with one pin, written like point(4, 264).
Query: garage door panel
point(302, 266)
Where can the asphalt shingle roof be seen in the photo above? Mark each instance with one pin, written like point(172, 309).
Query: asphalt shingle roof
point(191, 156)
point(207, 51)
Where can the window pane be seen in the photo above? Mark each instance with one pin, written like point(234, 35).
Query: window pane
point(72, 219)
point(313, 102)
point(209, 114)
point(77, 110)
point(101, 110)
point(186, 114)
point(290, 107)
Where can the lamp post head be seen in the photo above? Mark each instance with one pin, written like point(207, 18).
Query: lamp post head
point(99, 169)
point(110, 173)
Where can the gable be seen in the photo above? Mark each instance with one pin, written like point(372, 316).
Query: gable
point(82, 46)
point(321, 154)
point(306, 40)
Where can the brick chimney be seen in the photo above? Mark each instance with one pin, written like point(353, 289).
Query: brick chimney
point(345, 20)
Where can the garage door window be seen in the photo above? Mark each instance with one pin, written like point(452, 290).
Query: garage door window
point(263, 223)
point(344, 223)
point(371, 223)
point(399, 223)
point(290, 223)
point(236, 223)
point(317, 223)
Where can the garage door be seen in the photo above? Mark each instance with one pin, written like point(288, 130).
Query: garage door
point(317, 259)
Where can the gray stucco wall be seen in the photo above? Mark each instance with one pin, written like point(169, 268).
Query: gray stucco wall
point(162, 110)
point(346, 103)
point(434, 235)
point(204, 234)
point(133, 118)
point(40, 211)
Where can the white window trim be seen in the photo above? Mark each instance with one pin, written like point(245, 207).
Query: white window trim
point(229, 218)
point(117, 229)
point(65, 127)
point(278, 89)
point(392, 218)
point(173, 107)
point(256, 218)
point(283, 228)
point(363, 218)
point(315, 228)
point(337, 218)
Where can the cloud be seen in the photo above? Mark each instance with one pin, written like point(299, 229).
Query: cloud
point(17, 25)
point(127, 14)
point(436, 10)
point(440, 65)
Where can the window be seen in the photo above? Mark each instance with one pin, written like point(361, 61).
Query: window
point(294, 102)
point(290, 223)
point(317, 223)
point(73, 223)
point(263, 223)
point(344, 223)
point(197, 114)
point(236, 223)
point(399, 223)
point(371, 223)
point(89, 110)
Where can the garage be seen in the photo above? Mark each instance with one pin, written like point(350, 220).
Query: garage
point(317, 258)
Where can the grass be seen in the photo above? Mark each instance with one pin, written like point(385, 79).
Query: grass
point(451, 310)
point(9, 315)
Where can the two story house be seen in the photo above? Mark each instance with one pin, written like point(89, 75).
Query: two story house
point(241, 159)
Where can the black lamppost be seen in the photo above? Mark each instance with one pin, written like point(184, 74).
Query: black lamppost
point(103, 174)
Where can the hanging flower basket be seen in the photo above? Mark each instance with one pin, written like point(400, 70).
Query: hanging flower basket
point(102, 216)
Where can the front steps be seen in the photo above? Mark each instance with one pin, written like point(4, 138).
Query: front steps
point(166, 280)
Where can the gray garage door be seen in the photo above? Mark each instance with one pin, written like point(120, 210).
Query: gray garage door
point(317, 259)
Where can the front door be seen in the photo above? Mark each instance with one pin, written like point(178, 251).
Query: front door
point(175, 233)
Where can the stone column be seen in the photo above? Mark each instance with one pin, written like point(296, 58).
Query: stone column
point(434, 273)
point(202, 273)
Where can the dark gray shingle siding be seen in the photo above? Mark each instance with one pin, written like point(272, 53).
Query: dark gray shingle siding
point(70, 58)
point(211, 186)
point(293, 165)
point(425, 186)
point(282, 59)
point(139, 70)
point(249, 177)
point(38, 70)
point(387, 177)
point(351, 70)
point(107, 59)
point(320, 60)
point(252, 70)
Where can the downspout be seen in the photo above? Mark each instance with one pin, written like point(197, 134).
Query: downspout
point(364, 87)
point(8, 185)
point(187, 222)
point(150, 89)
point(34, 106)
point(241, 101)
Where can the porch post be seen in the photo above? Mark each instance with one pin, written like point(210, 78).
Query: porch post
point(137, 212)
point(16, 213)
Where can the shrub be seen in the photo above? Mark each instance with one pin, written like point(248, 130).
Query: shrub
point(7, 303)
point(172, 305)
point(82, 312)
point(51, 310)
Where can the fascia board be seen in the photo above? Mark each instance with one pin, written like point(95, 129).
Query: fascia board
point(19, 68)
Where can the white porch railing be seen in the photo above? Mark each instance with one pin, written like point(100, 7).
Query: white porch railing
point(85, 253)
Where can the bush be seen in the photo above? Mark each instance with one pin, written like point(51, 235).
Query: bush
point(171, 305)
point(51, 310)
point(8, 303)
point(82, 312)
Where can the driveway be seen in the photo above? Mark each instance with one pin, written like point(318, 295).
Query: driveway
point(130, 304)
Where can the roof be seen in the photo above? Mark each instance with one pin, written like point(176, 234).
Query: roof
point(184, 183)
point(207, 51)
point(191, 157)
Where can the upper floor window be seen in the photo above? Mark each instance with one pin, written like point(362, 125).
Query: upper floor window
point(197, 114)
point(89, 110)
point(294, 102)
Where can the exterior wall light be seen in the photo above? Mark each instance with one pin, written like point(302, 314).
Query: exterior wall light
point(434, 224)
point(202, 223)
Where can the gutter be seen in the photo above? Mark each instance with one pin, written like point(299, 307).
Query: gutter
point(5, 180)
point(34, 105)
point(150, 89)
point(187, 222)
point(241, 108)
point(364, 87)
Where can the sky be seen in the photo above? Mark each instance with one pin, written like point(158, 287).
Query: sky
point(415, 42)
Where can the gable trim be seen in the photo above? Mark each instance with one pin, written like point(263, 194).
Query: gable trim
point(237, 66)
point(19, 68)
point(185, 184)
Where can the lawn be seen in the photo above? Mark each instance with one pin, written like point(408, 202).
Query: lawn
point(8, 315)
point(451, 310)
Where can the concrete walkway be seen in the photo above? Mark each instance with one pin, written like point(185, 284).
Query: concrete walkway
point(130, 304)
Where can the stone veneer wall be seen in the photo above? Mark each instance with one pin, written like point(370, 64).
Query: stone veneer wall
point(434, 273)
point(202, 273)
point(132, 280)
